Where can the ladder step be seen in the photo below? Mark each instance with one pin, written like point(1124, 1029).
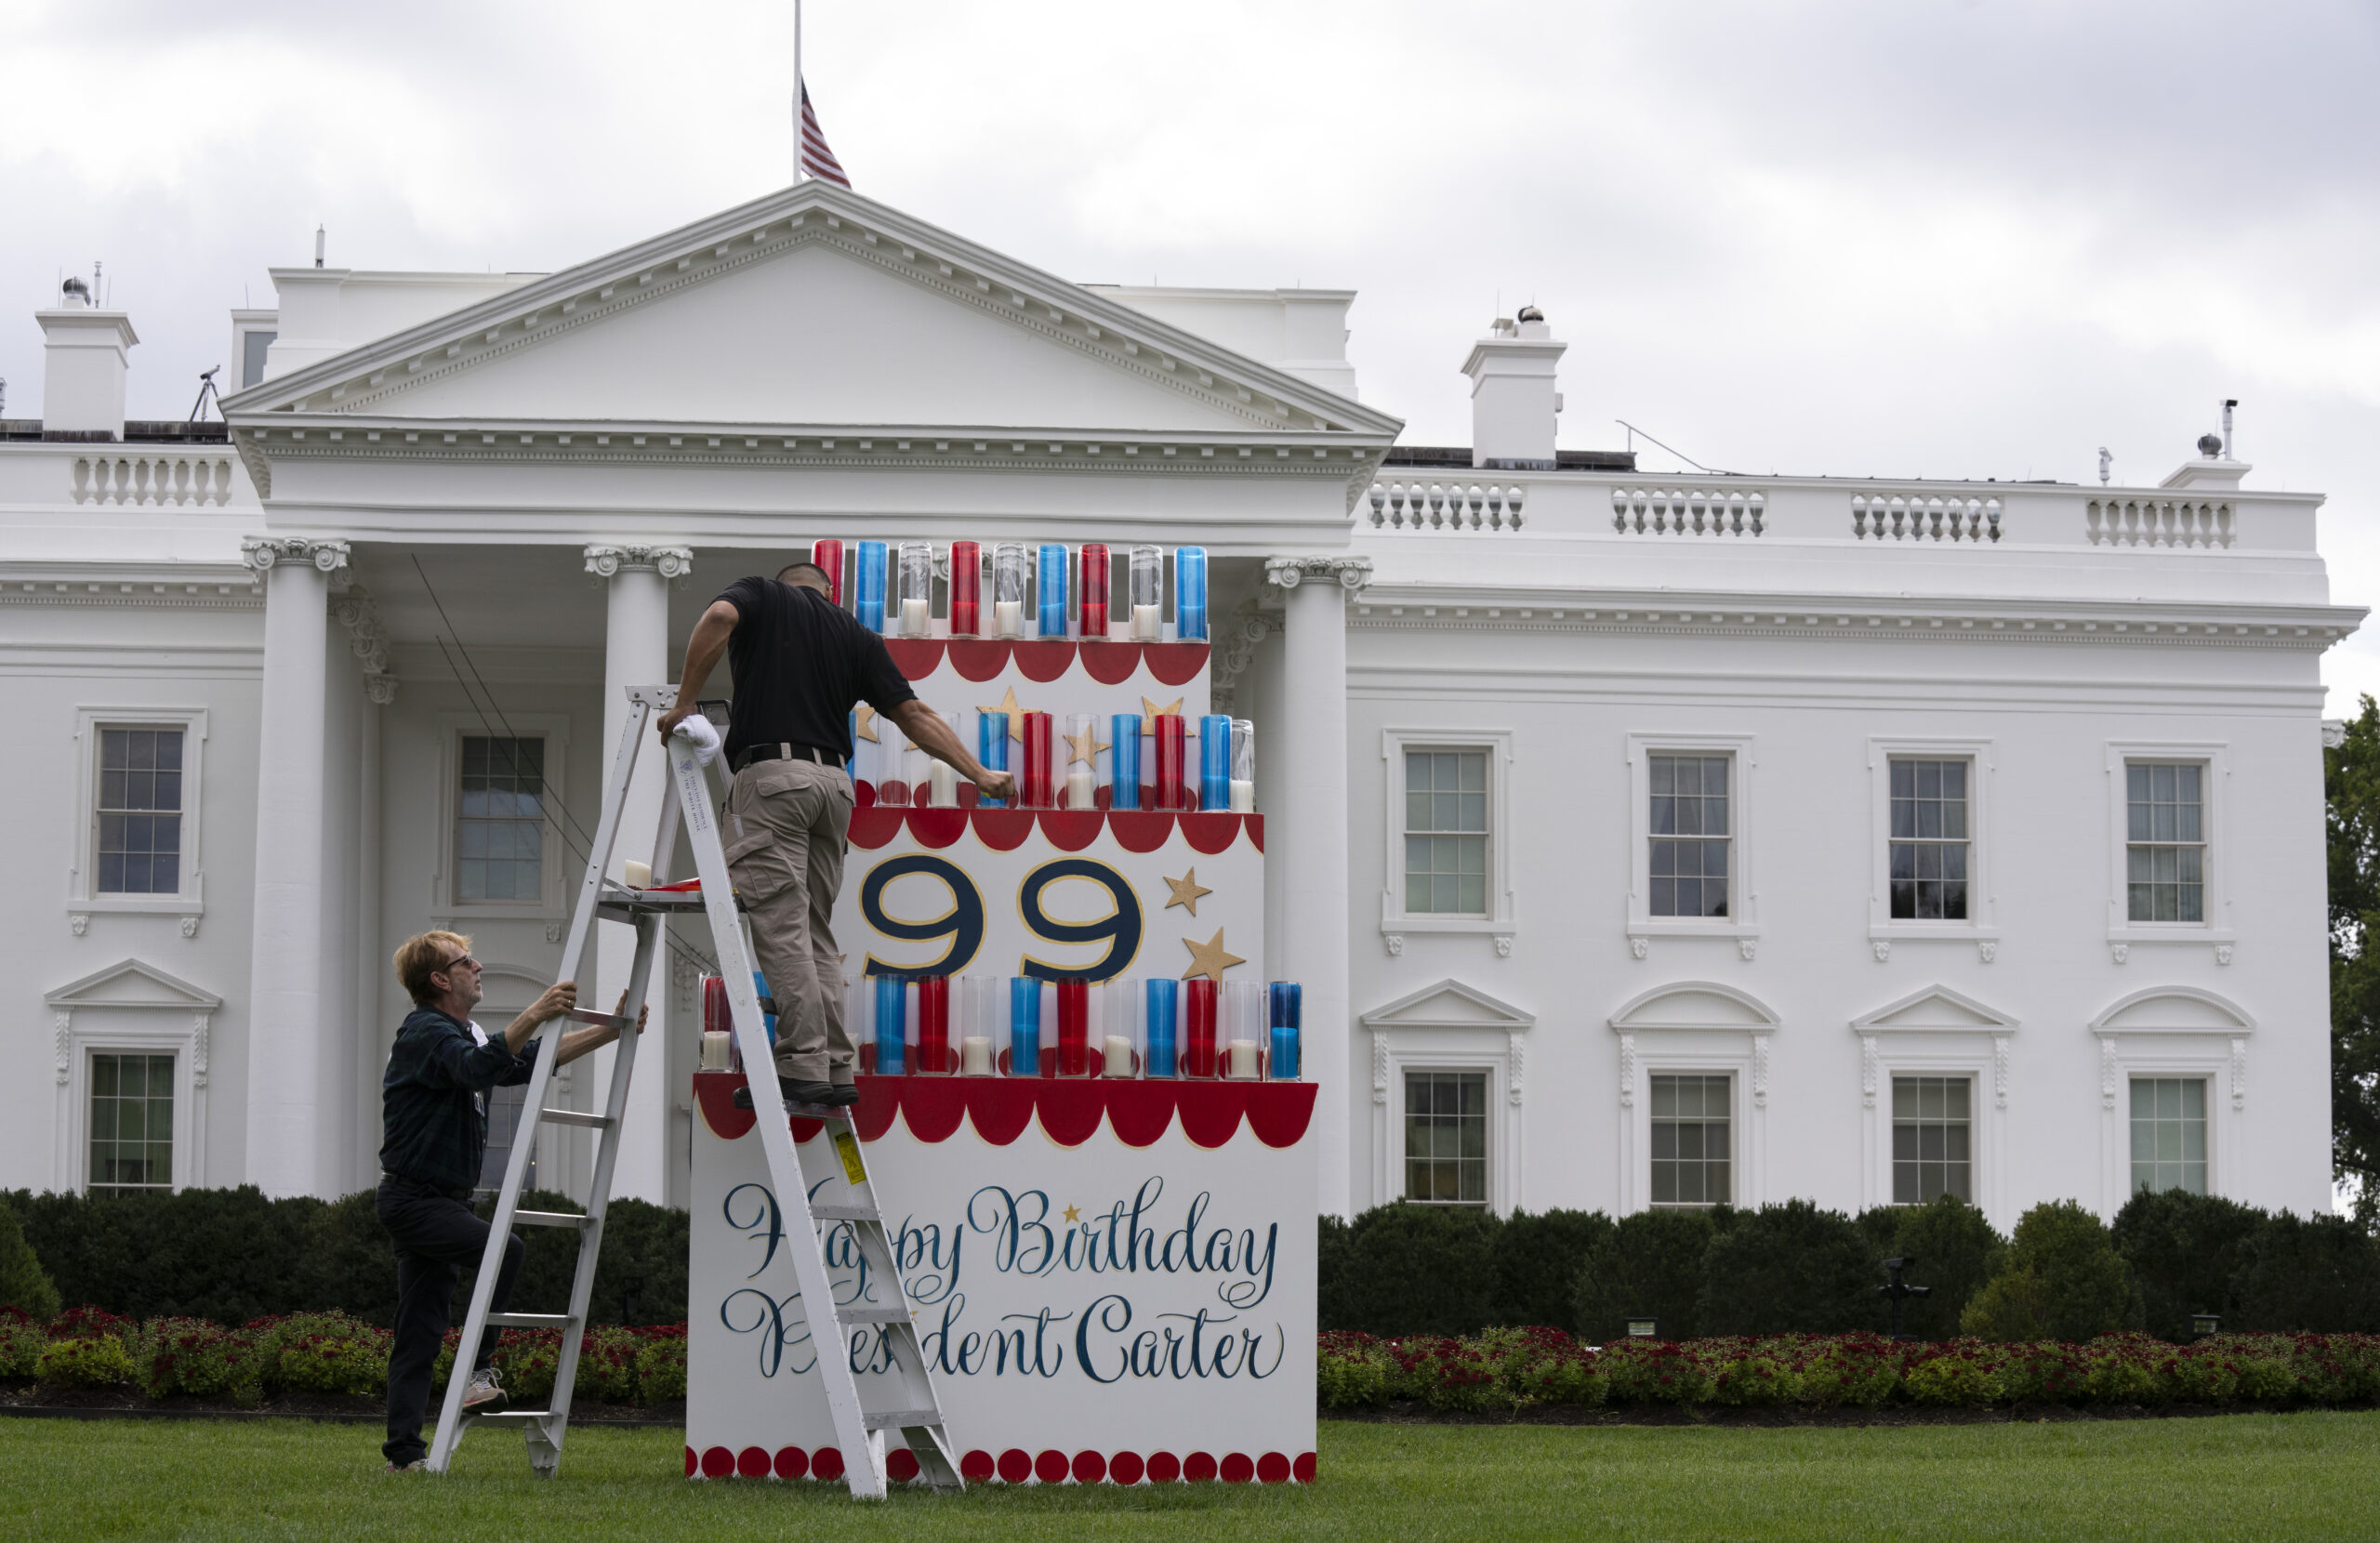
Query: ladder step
point(576, 1117)
point(844, 1213)
point(597, 1020)
point(864, 1315)
point(514, 1413)
point(538, 1320)
point(551, 1218)
point(901, 1420)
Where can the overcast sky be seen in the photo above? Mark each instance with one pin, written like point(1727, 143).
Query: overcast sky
point(1909, 238)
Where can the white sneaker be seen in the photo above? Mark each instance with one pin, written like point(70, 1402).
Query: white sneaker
point(416, 1466)
point(484, 1390)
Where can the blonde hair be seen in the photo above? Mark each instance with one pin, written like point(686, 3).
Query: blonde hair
point(419, 958)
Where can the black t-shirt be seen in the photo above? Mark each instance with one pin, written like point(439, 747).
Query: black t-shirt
point(801, 662)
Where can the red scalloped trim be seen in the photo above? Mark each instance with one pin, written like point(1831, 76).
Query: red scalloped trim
point(1136, 830)
point(1072, 829)
point(936, 828)
point(1042, 662)
point(1254, 825)
point(1110, 663)
point(1175, 663)
point(1278, 1113)
point(978, 659)
point(1000, 1108)
point(1211, 832)
point(1140, 829)
point(914, 657)
point(872, 827)
point(1001, 829)
point(1070, 1112)
point(1213, 1119)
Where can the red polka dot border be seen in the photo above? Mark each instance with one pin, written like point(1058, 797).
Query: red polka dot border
point(1016, 1466)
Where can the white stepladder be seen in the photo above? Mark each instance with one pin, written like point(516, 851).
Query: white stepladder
point(859, 1431)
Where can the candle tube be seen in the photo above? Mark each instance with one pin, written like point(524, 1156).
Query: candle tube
point(1190, 594)
point(1214, 762)
point(1009, 573)
point(975, 1056)
point(914, 764)
point(1162, 998)
point(966, 587)
point(991, 748)
point(933, 1024)
point(1049, 1028)
point(1082, 761)
point(1286, 1002)
point(867, 585)
point(768, 1020)
point(1243, 766)
point(1243, 1060)
point(1199, 1027)
point(1145, 589)
point(1024, 1026)
point(892, 769)
point(1124, 762)
point(1051, 590)
point(1039, 747)
point(1172, 750)
point(829, 555)
point(717, 1017)
point(917, 589)
point(1073, 1028)
point(891, 1026)
point(1090, 580)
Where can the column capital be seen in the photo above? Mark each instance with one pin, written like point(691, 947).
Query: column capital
point(606, 560)
point(264, 553)
point(1352, 572)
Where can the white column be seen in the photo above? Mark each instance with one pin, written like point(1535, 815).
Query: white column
point(636, 653)
point(1309, 839)
point(286, 1027)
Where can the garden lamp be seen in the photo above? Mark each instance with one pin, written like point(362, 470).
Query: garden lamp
point(1899, 1291)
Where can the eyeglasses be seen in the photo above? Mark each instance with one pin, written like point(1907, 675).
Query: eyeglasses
point(459, 959)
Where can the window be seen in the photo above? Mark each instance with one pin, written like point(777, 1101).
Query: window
point(1446, 1137)
point(500, 828)
point(132, 1123)
point(1930, 831)
point(1690, 1142)
point(1932, 1142)
point(2168, 1134)
point(1690, 835)
point(139, 811)
point(1445, 832)
point(252, 347)
point(2166, 842)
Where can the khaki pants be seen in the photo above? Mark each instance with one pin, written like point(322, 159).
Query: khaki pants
point(786, 828)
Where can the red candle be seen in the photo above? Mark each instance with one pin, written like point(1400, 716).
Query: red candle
point(933, 1024)
point(966, 589)
point(1073, 1028)
point(716, 1018)
point(1172, 760)
point(1093, 585)
point(829, 555)
point(1199, 1028)
point(1039, 743)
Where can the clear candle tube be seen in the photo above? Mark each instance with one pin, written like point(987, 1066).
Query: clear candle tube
point(1091, 583)
point(1051, 590)
point(917, 589)
point(1214, 761)
point(829, 555)
point(1144, 586)
point(1243, 766)
point(1124, 762)
point(991, 748)
point(1190, 594)
point(1073, 1028)
point(1287, 1003)
point(867, 585)
point(1082, 761)
point(1009, 571)
point(914, 765)
point(1199, 1057)
point(933, 1024)
point(966, 589)
point(1243, 1029)
point(1172, 749)
point(979, 1025)
point(1024, 1026)
point(891, 1026)
point(892, 769)
point(1039, 754)
point(1158, 1026)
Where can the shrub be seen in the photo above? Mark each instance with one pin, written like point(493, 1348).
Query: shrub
point(661, 1372)
point(2043, 1371)
point(100, 1360)
point(1463, 1380)
point(2308, 1274)
point(1348, 1374)
point(607, 1365)
point(1754, 1373)
point(1653, 1371)
point(23, 1283)
point(2186, 1250)
point(1958, 1374)
point(1536, 1260)
point(1788, 1269)
point(1409, 1366)
point(325, 1352)
point(21, 1342)
point(2060, 1279)
point(1333, 1273)
point(529, 1360)
point(1861, 1369)
point(2128, 1368)
point(1545, 1365)
point(1956, 1251)
point(1649, 1265)
point(1418, 1269)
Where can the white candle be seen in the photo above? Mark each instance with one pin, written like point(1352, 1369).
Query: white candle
point(1145, 623)
point(1243, 796)
point(1120, 1056)
point(1007, 617)
point(714, 1049)
point(975, 1056)
point(1243, 1060)
point(638, 875)
point(913, 616)
point(943, 786)
point(1082, 788)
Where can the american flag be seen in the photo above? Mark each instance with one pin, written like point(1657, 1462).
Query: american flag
point(816, 159)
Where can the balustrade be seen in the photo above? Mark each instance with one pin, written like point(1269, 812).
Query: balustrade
point(1447, 507)
point(2157, 522)
point(1923, 516)
point(1688, 511)
point(159, 478)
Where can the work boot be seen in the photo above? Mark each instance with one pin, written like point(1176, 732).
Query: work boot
point(814, 1094)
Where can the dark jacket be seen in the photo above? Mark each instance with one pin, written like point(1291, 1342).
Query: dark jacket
point(433, 1098)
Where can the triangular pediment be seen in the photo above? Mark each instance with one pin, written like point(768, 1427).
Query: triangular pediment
point(1936, 1008)
point(811, 307)
point(2173, 1009)
point(1449, 1005)
point(132, 984)
point(1695, 1005)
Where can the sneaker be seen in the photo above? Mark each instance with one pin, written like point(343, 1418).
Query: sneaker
point(484, 1390)
point(416, 1466)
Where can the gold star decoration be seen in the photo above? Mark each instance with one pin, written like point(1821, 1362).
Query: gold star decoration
point(1072, 1213)
point(1209, 959)
point(865, 724)
point(1150, 709)
point(1085, 746)
point(1015, 715)
point(1186, 890)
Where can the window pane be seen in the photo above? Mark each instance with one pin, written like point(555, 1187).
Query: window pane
point(1446, 1137)
point(1689, 1140)
point(131, 1122)
point(499, 836)
point(1932, 1139)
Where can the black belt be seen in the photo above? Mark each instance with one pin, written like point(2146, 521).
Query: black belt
point(447, 1191)
point(752, 754)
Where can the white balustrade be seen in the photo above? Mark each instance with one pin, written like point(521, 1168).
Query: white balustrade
point(1447, 507)
point(2154, 522)
point(153, 477)
point(1688, 511)
point(1923, 516)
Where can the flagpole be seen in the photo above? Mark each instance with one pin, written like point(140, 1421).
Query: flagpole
point(797, 90)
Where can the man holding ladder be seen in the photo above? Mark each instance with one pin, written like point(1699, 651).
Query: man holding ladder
point(799, 664)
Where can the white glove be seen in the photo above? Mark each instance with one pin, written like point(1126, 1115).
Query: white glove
point(702, 735)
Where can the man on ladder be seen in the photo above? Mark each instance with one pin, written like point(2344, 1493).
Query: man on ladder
point(799, 664)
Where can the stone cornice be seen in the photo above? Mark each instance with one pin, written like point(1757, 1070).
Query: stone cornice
point(143, 585)
point(606, 560)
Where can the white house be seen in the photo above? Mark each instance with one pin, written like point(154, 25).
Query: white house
point(1639, 840)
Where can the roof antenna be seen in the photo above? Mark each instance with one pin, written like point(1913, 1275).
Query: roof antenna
point(2106, 460)
point(2229, 402)
point(318, 246)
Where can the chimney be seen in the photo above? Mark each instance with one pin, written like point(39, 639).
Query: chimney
point(1512, 398)
point(82, 396)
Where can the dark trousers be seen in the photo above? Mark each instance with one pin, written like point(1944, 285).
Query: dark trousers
point(435, 1235)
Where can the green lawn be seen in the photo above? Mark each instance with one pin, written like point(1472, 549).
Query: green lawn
point(2262, 1476)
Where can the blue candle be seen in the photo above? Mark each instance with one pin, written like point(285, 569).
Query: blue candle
point(1124, 760)
point(892, 1024)
point(867, 587)
point(1214, 761)
point(768, 1020)
point(1024, 1026)
point(1161, 999)
point(1287, 1002)
point(1190, 594)
point(1051, 591)
point(991, 748)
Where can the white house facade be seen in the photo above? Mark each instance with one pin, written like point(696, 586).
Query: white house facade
point(1638, 839)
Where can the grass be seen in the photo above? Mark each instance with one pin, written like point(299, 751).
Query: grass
point(2233, 1476)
